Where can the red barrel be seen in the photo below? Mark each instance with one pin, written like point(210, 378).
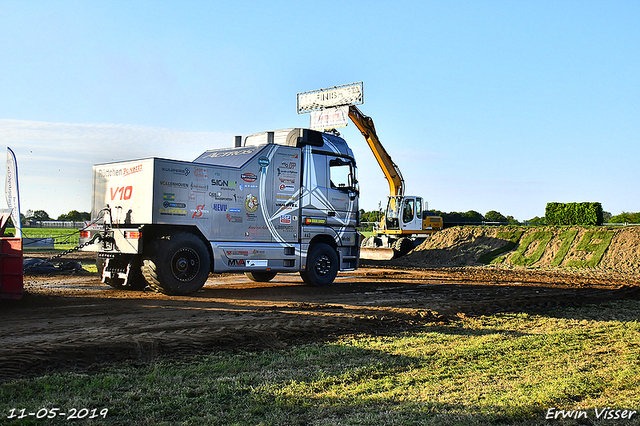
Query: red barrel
point(11, 283)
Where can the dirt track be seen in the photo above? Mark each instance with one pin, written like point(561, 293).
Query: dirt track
point(74, 322)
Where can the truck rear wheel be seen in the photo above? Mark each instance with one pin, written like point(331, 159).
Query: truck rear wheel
point(322, 266)
point(178, 265)
point(261, 277)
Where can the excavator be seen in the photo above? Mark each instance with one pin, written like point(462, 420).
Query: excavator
point(405, 224)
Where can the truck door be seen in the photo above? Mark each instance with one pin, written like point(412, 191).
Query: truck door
point(342, 189)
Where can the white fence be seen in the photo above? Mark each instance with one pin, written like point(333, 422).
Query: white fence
point(56, 224)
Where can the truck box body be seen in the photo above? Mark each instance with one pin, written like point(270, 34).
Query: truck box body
point(259, 206)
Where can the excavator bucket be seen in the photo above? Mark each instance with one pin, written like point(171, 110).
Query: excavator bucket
point(377, 253)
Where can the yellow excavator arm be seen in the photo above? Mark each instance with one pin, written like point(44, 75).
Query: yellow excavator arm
point(389, 168)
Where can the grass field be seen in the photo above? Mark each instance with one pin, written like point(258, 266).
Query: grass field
point(507, 369)
point(64, 238)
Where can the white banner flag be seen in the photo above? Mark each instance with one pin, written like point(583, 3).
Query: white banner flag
point(329, 118)
point(11, 191)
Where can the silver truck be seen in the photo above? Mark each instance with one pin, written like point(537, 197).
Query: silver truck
point(282, 201)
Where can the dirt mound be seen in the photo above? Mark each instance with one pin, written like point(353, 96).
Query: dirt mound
point(606, 249)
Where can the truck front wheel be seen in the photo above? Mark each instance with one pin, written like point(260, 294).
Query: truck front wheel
point(322, 266)
point(178, 265)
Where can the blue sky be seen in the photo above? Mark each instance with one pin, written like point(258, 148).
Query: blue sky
point(492, 105)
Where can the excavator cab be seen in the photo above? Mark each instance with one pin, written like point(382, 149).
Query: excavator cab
point(404, 214)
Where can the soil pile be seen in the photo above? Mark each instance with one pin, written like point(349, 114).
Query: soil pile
point(609, 249)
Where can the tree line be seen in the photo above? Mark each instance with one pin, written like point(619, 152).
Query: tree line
point(41, 216)
point(475, 217)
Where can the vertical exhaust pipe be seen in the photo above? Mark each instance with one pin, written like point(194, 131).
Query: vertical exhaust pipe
point(238, 142)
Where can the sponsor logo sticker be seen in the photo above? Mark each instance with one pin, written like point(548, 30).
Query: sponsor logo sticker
point(183, 172)
point(285, 218)
point(249, 177)
point(251, 203)
point(219, 207)
point(234, 219)
point(198, 211)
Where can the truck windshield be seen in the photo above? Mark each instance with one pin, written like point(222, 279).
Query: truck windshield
point(393, 212)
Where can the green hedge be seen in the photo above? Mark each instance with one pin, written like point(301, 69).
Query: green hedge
point(583, 214)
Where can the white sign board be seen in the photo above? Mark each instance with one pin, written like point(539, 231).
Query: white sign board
point(349, 94)
point(329, 118)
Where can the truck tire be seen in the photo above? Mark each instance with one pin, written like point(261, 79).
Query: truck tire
point(178, 265)
point(136, 280)
point(322, 266)
point(261, 277)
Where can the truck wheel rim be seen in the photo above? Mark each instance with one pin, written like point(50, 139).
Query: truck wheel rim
point(323, 265)
point(185, 264)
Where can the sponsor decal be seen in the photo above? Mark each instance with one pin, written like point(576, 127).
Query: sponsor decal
point(286, 187)
point(135, 169)
point(173, 212)
point(183, 172)
point(234, 210)
point(218, 196)
point(200, 173)
point(252, 217)
point(288, 205)
point(251, 203)
point(287, 172)
point(286, 197)
point(199, 188)
point(199, 211)
point(238, 263)
point(287, 180)
point(219, 207)
point(220, 154)
point(249, 177)
point(234, 219)
point(235, 252)
point(106, 173)
point(174, 184)
point(263, 161)
point(245, 253)
point(169, 196)
point(246, 185)
point(288, 164)
point(314, 221)
point(256, 230)
point(168, 204)
point(285, 219)
point(288, 228)
point(224, 184)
